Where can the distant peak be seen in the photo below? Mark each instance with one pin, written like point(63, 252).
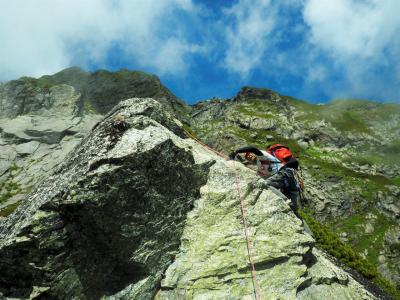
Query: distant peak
point(251, 93)
point(71, 70)
point(126, 73)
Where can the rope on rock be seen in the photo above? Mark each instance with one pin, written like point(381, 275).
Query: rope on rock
point(243, 211)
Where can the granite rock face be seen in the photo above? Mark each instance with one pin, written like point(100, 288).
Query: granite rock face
point(38, 139)
point(137, 211)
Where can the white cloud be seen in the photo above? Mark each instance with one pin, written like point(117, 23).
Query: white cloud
point(353, 28)
point(248, 36)
point(44, 36)
point(317, 73)
point(360, 40)
point(172, 57)
point(342, 47)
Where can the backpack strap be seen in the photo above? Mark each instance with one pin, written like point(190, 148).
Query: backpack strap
point(292, 163)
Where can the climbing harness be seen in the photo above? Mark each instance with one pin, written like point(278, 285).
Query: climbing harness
point(243, 211)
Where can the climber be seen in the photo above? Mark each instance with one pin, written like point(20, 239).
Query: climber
point(277, 165)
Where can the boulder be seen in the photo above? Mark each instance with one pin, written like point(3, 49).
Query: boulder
point(269, 138)
point(45, 129)
point(264, 124)
point(27, 148)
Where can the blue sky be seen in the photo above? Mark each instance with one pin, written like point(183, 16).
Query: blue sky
point(315, 50)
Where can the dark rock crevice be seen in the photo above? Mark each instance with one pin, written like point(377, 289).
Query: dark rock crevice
point(309, 258)
point(304, 285)
point(264, 265)
point(49, 137)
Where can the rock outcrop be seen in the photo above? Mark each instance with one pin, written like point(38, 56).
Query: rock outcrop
point(99, 91)
point(36, 141)
point(137, 211)
point(42, 120)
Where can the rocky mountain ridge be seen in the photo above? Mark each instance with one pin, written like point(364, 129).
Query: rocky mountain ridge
point(42, 120)
point(111, 222)
point(99, 91)
point(348, 149)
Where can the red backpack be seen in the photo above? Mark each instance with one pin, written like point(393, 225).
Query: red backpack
point(284, 154)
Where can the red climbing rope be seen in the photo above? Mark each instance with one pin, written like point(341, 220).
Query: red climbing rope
point(246, 233)
point(244, 218)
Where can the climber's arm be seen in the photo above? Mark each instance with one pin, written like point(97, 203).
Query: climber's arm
point(245, 150)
